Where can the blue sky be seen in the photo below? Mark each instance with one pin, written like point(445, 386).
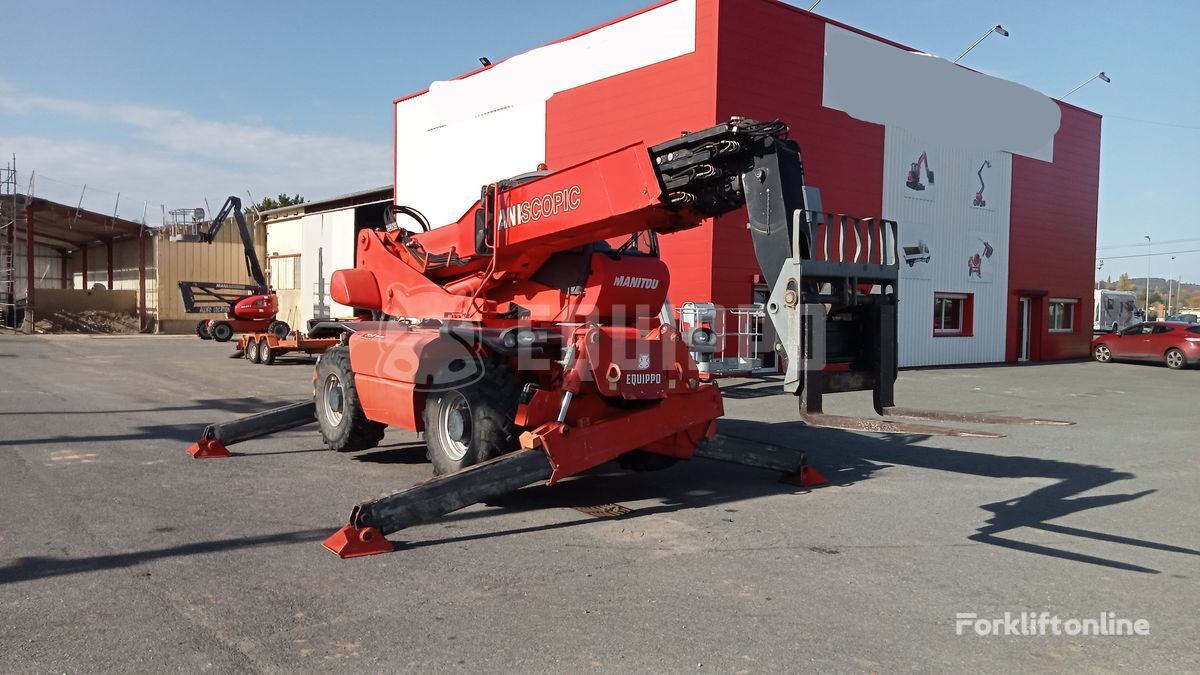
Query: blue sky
point(174, 103)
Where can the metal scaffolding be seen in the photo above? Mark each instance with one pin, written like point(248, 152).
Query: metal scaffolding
point(9, 213)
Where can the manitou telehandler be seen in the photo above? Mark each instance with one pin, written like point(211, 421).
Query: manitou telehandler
point(525, 340)
point(247, 307)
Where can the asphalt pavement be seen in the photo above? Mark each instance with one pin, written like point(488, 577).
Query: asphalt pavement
point(120, 553)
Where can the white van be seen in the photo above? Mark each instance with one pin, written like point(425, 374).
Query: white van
point(1114, 311)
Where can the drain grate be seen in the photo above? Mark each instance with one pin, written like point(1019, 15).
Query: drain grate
point(604, 510)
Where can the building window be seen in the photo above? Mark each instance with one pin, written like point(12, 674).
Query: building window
point(952, 314)
point(285, 272)
point(1062, 315)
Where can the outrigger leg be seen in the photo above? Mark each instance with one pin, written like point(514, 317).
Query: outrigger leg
point(370, 522)
point(792, 463)
point(217, 437)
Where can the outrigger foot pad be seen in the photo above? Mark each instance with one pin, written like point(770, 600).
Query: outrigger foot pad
point(356, 542)
point(807, 477)
point(208, 448)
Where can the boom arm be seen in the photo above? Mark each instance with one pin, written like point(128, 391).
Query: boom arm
point(233, 205)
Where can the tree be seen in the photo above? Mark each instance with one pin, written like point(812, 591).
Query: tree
point(279, 202)
point(1124, 284)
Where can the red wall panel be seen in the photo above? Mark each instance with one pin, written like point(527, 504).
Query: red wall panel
point(770, 64)
point(1052, 240)
point(651, 104)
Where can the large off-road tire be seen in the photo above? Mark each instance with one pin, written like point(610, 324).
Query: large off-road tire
point(221, 331)
point(344, 425)
point(1175, 359)
point(279, 329)
point(266, 355)
point(1102, 353)
point(472, 424)
point(252, 352)
point(202, 330)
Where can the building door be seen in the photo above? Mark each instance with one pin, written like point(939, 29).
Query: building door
point(1025, 311)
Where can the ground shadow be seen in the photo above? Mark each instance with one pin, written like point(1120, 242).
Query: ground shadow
point(402, 452)
point(187, 432)
point(850, 457)
point(846, 458)
point(40, 567)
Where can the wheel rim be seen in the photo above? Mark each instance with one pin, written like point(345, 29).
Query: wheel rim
point(333, 399)
point(251, 351)
point(1102, 353)
point(454, 425)
point(263, 350)
point(1174, 359)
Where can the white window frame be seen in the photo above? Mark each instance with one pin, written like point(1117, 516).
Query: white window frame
point(1070, 304)
point(962, 308)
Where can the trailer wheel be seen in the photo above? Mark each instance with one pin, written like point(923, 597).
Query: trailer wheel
point(252, 353)
point(202, 331)
point(266, 355)
point(344, 425)
point(279, 329)
point(221, 331)
point(472, 424)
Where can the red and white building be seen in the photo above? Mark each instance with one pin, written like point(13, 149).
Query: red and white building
point(996, 231)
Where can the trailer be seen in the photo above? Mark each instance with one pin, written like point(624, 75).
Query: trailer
point(264, 348)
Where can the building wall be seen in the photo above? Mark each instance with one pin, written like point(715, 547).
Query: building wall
point(171, 262)
point(644, 78)
point(47, 265)
point(1054, 235)
point(861, 108)
point(770, 61)
point(944, 219)
point(285, 238)
point(327, 244)
point(648, 104)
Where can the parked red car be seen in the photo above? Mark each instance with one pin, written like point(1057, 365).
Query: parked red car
point(1175, 343)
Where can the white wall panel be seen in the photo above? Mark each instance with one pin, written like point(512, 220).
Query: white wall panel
point(464, 133)
point(314, 266)
point(954, 230)
point(340, 228)
point(47, 268)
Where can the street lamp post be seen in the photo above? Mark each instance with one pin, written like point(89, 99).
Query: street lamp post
point(1169, 291)
point(1099, 75)
point(998, 29)
point(1147, 277)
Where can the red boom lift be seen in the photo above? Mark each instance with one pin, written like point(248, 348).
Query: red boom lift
point(247, 308)
point(527, 348)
